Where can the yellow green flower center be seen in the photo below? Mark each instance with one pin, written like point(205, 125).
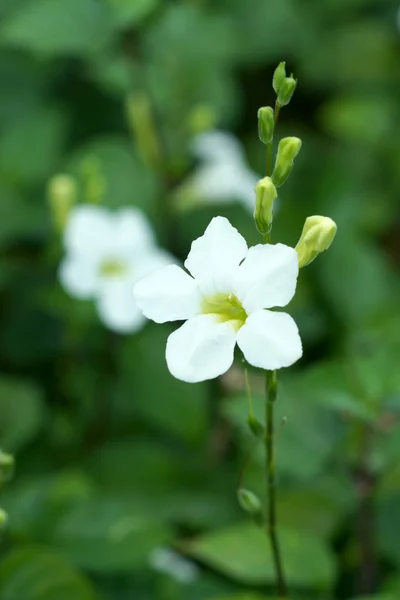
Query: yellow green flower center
point(226, 307)
point(112, 268)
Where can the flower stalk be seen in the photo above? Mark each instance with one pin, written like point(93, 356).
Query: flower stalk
point(271, 394)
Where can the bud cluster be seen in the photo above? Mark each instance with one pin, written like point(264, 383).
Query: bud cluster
point(318, 232)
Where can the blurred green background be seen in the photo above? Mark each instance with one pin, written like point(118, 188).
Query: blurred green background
point(115, 458)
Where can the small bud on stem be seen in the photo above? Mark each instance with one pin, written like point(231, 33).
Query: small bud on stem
point(286, 91)
point(61, 193)
point(288, 149)
point(317, 235)
point(263, 212)
point(266, 124)
point(279, 76)
point(250, 503)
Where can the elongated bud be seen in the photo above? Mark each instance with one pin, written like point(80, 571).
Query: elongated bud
point(286, 91)
point(256, 428)
point(3, 519)
point(143, 128)
point(61, 193)
point(279, 77)
point(94, 182)
point(6, 467)
point(250, 503)
point(288, 149)
point(317, 235)
point(266, 124)
point(263, 212)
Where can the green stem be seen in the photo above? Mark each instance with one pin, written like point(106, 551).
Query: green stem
point(271, 393)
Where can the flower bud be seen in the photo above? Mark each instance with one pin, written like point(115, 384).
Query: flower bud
point(256, 428)
point(266, 124)
point(279, 77)
point(3, 519)
point(6, 467)
point(61, 193)
point(263, 212)
point(250, 503)
point(317, 235)
point(286, 91)
point(288, 149)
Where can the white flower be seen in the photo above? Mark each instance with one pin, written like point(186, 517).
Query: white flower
point(223, 174)
point(224, 303)
point(106, 253)
point(168, 561)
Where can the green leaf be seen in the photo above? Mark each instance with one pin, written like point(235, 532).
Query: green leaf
point(172, 405)
point(21, 413)
point(108, 535)
point(19, 156)
point(376, 597)
point(243, 552)
point(127, 180)
point(36, 573)
point(388, 524)
point(243, 596)
point(310, 433)
point(132, 12)
point(20, 219)
point(57, 27)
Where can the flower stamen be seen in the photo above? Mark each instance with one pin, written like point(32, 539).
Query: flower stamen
point(226, 307)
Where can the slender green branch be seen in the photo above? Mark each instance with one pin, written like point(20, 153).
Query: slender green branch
point(271, 393)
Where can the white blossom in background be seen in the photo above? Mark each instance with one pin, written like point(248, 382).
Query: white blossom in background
point(222, 174)
point(225, 300)
point(167, 561)
point(106, 253)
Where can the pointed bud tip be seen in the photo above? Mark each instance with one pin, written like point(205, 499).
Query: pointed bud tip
point(263, 213)
point(317, 236)
point(249, 502)
point(286, 91)
point(288, 150)
point(3, 519)
point(266, 124)
point(279, 77)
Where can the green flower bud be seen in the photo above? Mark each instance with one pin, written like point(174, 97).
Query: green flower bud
point(288, 149)
point(317, 235)
point(61, 193)
point(250, 503)
point(6, 467)
point(286, 91)
point(266, 124)
point(263, 212)
point(3, 519)
point(256, 428)
point(279, 77)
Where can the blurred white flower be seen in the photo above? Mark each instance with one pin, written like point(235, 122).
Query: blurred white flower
point(224, 303)
point(106, 253)
point(169, 562)
point(222, 175)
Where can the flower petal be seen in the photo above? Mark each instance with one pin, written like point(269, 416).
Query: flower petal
point(79, 277)
point(215, 256)
point(132, 230)
point(202, 348)
point(88, 230)
point(168, 294)
point(118, 309)
point(218, 146)
point(270, 340)
point(152, 260)
point(267, 277)
point(225, 183)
